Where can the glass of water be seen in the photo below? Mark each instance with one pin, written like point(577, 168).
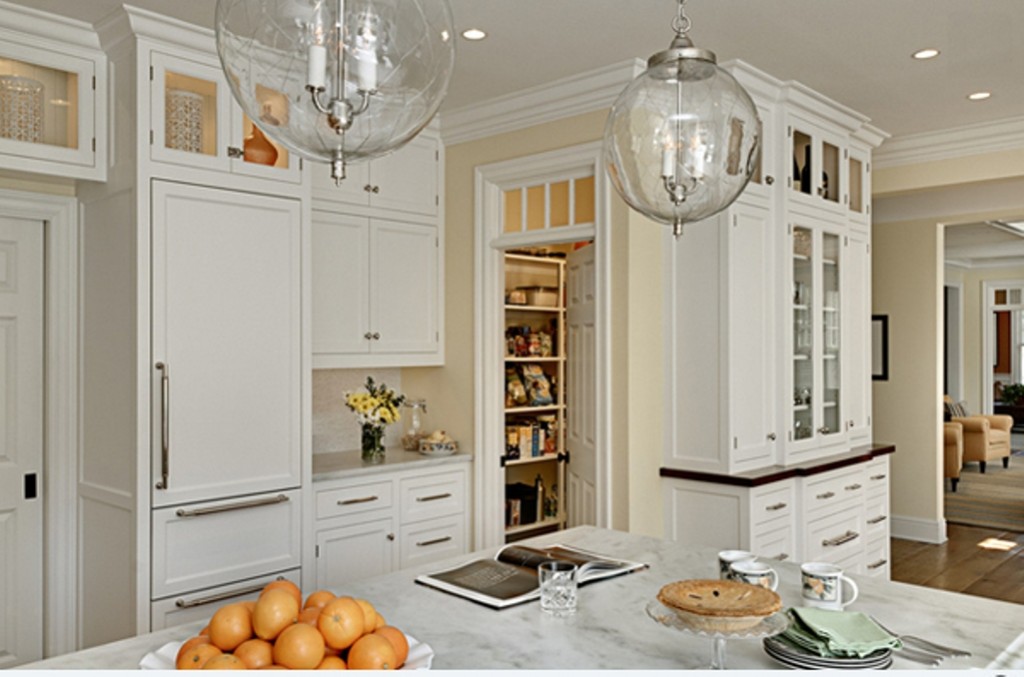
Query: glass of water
point(558, 587)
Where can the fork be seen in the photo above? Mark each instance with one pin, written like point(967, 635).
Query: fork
point(925, 645)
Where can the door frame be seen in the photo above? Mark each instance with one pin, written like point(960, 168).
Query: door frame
point(61, 261)
point(489, 431)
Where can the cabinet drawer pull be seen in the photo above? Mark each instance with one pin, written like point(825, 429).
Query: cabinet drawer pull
point(827, 495)
point(879, 563)
point(877, 520)
point(852, 487)
point(435, 497)
point(433, 541)
point(839, 540)
point(202, 601)
point(776, 506)
point(165, 425)
point(199, 512)
point(364, 499)
point(878, 477)
point(781, 557)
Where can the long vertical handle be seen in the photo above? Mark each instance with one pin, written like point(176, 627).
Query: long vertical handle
point(165, 425)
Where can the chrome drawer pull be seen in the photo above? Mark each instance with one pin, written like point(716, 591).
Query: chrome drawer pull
point(188, 604)
point(879, 563)
point(852, 487)
point(839, 540)
point(433, 541)
point(781, 557)
point(878, 477)
point(773, 508)
point(353, 501)
point(199, 512)
point(877, 520)
point(165, 425)
point(826, 495)
point(435, 497)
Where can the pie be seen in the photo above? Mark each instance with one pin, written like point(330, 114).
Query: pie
point(720, 604)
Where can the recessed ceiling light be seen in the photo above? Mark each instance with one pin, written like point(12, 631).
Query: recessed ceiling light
point(979, 96)
point(926, 54)
point(474, 34)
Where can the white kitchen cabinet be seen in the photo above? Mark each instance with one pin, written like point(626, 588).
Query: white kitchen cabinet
point(819, 171)
point(406, 181)
point(373, 523)
point(226, 343)
point(376, 292)
point(53, 80)
point(859, 180)
point(857, 338)
point(196, 122)
point(200, 605)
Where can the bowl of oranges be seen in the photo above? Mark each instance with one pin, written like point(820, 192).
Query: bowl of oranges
point(281, 630)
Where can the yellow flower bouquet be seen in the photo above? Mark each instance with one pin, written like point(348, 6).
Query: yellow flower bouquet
point(375, 408)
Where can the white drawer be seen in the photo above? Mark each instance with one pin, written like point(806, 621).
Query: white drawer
point(432, 540)
point(876, 473)
point(775, 540)
point(200, 605)
point(204, 545)
point(876, 517)
point(876, 558)
point(824, 492)
point(430, 496)
point(772, 502)
point(835, 537)
point(354, 499)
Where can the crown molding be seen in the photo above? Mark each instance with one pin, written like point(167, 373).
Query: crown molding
point(575, 95)
point(49, 29)
point(989, 137)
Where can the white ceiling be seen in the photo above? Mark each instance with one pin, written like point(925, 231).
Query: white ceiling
point(856, 52)
point(984, 245)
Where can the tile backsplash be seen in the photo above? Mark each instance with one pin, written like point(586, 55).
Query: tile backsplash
point(334, 425)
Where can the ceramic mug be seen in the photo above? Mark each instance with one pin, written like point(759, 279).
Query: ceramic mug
point(823, 586)
point(726, 559)
point(756, 573)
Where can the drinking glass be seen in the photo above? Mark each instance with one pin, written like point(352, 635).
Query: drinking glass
point(558, 587)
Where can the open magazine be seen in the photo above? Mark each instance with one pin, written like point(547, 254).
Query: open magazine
point(511, 577)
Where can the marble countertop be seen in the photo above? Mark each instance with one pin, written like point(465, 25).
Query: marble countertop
point(341, 464)
point(611, 629)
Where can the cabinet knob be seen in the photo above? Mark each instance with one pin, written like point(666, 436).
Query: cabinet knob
point(376, 336)
point(236, 153)
point(391, 536)
point(368, 188)
point(376, 189)
point(771, 437)
point(367, 336)
point(769, 180)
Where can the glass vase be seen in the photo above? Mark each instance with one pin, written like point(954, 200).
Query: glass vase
point(373, 444)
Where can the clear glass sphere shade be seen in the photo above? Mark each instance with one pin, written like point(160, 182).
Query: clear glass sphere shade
point(692, 123)
point(403, 51)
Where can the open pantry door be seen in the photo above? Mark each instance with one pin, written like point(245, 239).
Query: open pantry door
point(581, 376)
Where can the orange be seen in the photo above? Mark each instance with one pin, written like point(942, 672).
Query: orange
point(249, 604)
point(284, 584)
point(309, 616)
point(196, 657)
point(191, 642)
point(369, 615)
point(224, 661)
point(230, 626)
point(398, 641)
point(205, 632)
point(380, 622)
point(255, 653)
point(299, 647)
point(331, 663)
point(372, 652)
point(341, 622)
point(275, 610)
point(318, 599)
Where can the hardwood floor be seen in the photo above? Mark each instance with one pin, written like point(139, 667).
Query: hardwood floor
point(975, 561)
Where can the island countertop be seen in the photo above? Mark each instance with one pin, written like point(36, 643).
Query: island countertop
point(611, 629)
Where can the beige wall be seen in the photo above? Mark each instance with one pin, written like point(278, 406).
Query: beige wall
point(636, 451)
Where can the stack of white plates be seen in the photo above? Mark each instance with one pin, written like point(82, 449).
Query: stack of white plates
point(795, 657)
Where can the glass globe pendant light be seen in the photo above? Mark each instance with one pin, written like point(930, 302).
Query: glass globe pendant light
point(683, 138)
point(337, 81)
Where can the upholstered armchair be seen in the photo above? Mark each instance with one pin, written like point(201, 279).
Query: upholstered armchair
point(986, 438)
point(953, 455)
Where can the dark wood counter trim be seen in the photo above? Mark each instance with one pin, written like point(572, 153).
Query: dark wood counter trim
point(778, 473)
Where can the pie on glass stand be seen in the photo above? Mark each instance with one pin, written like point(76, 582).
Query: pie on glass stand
point(720, 605)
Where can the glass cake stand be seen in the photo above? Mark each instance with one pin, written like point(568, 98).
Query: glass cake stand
point(693, 624)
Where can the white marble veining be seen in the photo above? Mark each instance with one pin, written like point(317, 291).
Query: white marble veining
point(611, 629)
point(342, 464)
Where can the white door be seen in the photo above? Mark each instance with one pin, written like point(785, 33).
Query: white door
point(226, 343)
point(581, 374)
point(21, 441)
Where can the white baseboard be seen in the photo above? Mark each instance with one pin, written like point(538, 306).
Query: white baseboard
point(917, 529)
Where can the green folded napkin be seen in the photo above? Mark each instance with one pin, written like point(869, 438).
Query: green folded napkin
point(837, 633)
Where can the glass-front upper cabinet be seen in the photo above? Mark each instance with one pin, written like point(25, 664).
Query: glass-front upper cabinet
point(859, 173)
point(196, 122)
point(48, 116)
point(818, 171)
point(816, 337)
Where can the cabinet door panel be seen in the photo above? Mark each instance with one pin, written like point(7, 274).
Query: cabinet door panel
point(857, 380)
point(406, 180)
point(350, 553)
point(226, 325)
point(341, 311)
point(403, 287)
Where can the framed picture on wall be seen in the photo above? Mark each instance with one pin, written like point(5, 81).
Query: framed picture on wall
point(879, 347)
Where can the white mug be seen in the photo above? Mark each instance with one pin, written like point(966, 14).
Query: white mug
point(822, 586)
point(756, 573)
point(726, 559)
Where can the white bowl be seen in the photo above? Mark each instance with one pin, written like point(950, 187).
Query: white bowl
point(438, 448)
